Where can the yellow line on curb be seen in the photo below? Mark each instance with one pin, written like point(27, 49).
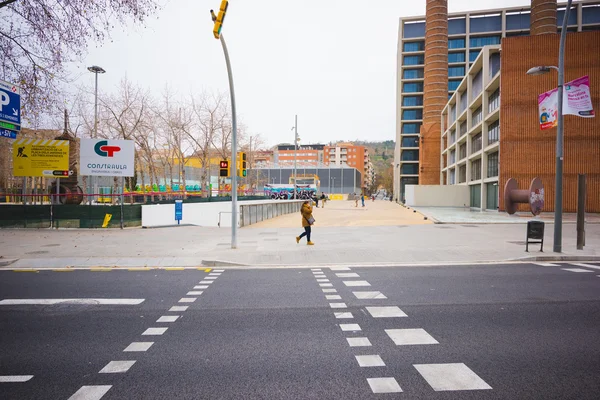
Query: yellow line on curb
point(26, 270)
point(174, 269)
point(100, 269)
point(63, 270)
point(139, 269)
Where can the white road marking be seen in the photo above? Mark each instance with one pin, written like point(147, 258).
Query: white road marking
point(333, 297)
point(201, 287)
point(320, 276)
point(218, 270)
point(338, 305)
point(384, 385)
point(178, 308)
point(373, 360)
point(403, 337)
point(386, 312)
point(350, 327)
point(117, 367)
point(322, 280)
point(576, 270)
point(90, 392)
point(586, 266)
point(356, 283)
point(194, 293)
point(215, 274)
point(14, 378)
point(442, 377)
point(168, 318)
point(339, 269)
point(369, 295)
point(325, 284)
point(348, 275)
point(154, 331)
point(343, 315)
point(211, 278)
point(329, 290)
point(358, 341)
point(315, 269)
point(187, 300)
point(542, 264)
point(139, 346)
point(206, 282)
point(44, 302)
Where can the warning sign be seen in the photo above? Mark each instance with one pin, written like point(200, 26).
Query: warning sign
point(35, 157)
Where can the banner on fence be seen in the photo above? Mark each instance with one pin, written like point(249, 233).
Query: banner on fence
point(102, 157)
point(36, 157)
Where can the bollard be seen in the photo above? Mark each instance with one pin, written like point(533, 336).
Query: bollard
point(534, 196)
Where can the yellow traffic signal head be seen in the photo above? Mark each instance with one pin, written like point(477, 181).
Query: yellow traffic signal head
point(220, 18)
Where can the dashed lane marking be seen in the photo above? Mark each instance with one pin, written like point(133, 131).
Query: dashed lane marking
point(206, 282)
point(194, 293)
point(187, 300)
point(154, 331)
point(445, 377)
point(178, 308)
point(138, 346)
point(338, 305)
point(168, 318)
point(201, 287)
point(117, 367)
point(45, 302)
point(325, 284)
point(371, 360)
point(576, 270)
point(369, 295)
point(348, 275)
point(386, 312)
point(15, 378)
point(341, 315)
point(322, 280)
point(333, 297)
point(329, 290)
point(90, 392)
point(216, 270)
point(384, 385)
point(350, 327)
point(339, 269)
point(215, 274)
point(315, 269)
point(358, 342)
point(356, 283)
point(403, 337)
point(586, 266)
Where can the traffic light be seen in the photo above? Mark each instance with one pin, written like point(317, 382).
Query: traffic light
point(220, 18)
point(241, 164)
point(224, 169)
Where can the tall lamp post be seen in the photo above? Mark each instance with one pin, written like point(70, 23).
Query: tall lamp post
point(295, 128)
point(96, 70)
point(558, 195)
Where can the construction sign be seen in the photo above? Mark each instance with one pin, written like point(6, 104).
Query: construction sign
point(37, 157)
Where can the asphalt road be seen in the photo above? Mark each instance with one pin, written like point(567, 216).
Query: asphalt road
point(475, 332)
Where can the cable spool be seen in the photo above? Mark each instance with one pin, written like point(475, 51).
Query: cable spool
point(534, 196)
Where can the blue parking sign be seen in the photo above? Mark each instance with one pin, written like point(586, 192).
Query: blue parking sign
point(178, 210)
point(10, 103)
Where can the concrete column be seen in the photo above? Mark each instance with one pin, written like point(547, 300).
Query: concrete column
point(543, 17)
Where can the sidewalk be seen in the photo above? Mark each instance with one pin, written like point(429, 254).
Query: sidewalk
point(343, 235)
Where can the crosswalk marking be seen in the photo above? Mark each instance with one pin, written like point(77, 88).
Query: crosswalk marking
point(194, 293)
point(586, 266)
point(187, 299)
point(403, 337)
point(323, 280)
point(445, 377)
point(154, 331)
point(168, 318)
point(201, 287)
point(329, 290)
point(358, 342)
point(371, 360)
point(86, 301)
point(350, 327)
point(117, 367)
point(325, 284)
point(576, 270)
point(178, 308)
point(338, 305)
point(15, 378)
point(384, 385)
point(339, 269)
point(90, 392)
point(356, 283)
point(544, 264)
point(369, 295)
point(341, 315)
point(348, 275)
point(333, 297)
point(139, 346)
point(386, 312)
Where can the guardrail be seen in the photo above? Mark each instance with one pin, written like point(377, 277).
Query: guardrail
point(253, 213)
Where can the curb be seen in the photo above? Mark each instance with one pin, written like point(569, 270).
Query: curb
point(557, 258)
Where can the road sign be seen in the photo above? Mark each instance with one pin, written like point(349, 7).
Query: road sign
point(10, 103)
point(7, 133)
point(178, 210)
point(37, 157)
point(10, 127)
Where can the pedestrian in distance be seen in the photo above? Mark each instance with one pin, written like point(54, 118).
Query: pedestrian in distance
point(316, 199)
point(323, 199)
point(362, 199)
point(307, 222)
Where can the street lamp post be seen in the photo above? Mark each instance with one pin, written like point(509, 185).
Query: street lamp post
point(558, 195)
point(295, 155)
point(96, 70)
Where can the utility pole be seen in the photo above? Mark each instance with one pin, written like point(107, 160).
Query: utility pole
point(295, 156)
point(96, 70)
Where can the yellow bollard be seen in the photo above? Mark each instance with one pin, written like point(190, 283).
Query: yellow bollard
point(107, 219)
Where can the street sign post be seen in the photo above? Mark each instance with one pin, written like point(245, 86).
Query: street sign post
point(10, 103)
point(178, 211)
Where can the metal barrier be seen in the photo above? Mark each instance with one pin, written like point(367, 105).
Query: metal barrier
point(254, 213)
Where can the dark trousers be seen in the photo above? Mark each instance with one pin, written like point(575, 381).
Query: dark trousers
point(306, 233)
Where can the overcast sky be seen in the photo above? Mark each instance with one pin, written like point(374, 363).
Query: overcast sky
point(332, 62)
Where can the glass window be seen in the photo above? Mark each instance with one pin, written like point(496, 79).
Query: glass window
point(560, 15)
point(412, 114)
point(456, 43)
point(462, 174)
point(475, 195)
point(451, 177)
point(476, 143)
point(457, 26)
point(473, 55)
point(590, 14)
point(414, 60)
point(414, 46)
point(493, 132)
point(412, 87)
point(494, 64)
point(456, 71)
point(453, 85)
point(476, 170)
point(492, 167)
point(477, 117)
point(412, 101)
point(483, 41)
point(462, 151)
point(519, 21)
point(452, 157)
point(494, 101)
point(414, 29)
point(409, 169)
point(463, 101)
point(463, 128)
point(492, 23)
point(456, 57)
point(411, 128)
point(410, 155)
point(477, 85)
point(411, 141)
point(412, 73)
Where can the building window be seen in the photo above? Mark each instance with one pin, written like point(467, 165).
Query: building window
point(477, 85)
point(412, 87)
point(412, 101)
point(452, 177)
point(494, 64)
point(484, 41)
point(452, 157)
point(412, 73)
point(409, 169)
point(452, 136)
point(494, 132)
point(413, 29)
point(414, 60)
point(452, 113)
point(473, 55)
point(463, 101)
point(492, 167)
point(456, 43)
point(477, 117)
point(411, 128)
point(476, 143)
point(453, 85)
point(590, 14)
point(476, 170)
point(463, 128)
point(479, 24)
point(410, 155)
point(456, 71)
point(494, 100)
point(414, 46)
point(518, 22)
point(475, 196)
point(412, 114)
point(412, 141)
point(457, 26)
point(462, 174)
point(456, 57)
point(560, 15)
point(462, 151)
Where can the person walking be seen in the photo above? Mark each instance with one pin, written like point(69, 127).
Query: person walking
point(307, 221)
point(362, 199)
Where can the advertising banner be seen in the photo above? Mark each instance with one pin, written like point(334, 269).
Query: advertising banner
point(104, 157)
point(45, 158)
point(576, 101)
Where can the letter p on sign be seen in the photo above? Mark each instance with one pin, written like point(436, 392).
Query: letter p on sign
point(4, 99)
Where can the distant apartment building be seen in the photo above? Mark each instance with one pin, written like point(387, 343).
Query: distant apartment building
point(307, 154)
point(348, 154)
point(468, 33)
